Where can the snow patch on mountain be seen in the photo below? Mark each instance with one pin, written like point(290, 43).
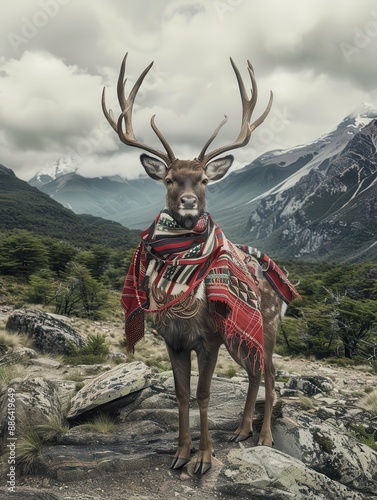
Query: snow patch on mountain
point(323, 149)
point(62, 166)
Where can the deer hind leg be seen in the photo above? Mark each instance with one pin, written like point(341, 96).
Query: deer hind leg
point(181, 365)
point(246, 360)
point(207, 359)
point(272, 307)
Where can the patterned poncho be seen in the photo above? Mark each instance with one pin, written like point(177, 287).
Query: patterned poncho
point(180, 261)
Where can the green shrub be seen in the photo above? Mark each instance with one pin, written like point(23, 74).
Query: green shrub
point(93, 353)
point(364, 437)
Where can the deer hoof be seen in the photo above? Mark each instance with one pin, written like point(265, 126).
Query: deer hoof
point(177, 463)
point(237, 438)
point(202, 467)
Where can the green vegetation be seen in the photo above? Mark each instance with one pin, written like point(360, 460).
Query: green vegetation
point(24, 207)
point(337, 317)
point(66, 279)
point(93, 353)
point(364, 436)
point(28, 447)
point(53, 428)
point(31, 442)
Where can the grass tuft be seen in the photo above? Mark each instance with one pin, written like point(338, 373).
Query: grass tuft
point(103, 424)
point(306, 403)
point(52, 429)
point(27, 450)
point(369, 402)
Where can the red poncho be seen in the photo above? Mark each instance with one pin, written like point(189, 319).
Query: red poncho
point(181, 259)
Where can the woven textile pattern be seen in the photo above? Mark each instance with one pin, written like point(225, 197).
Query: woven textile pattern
point(177, 261)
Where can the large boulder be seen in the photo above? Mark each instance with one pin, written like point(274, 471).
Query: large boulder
point(263, 472)
point(49, 333)
point(327, 448)
point(124, 379)
point(36, 402)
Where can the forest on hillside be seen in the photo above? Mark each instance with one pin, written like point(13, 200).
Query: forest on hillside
point(337, 317)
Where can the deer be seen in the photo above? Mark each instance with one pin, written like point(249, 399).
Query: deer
point(190, 316)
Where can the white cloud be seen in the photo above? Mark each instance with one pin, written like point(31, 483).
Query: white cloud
point(317, 57)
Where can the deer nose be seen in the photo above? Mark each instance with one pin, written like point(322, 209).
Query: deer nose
point(189, 201)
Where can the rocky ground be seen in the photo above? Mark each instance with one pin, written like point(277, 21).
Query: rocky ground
point(140, 449)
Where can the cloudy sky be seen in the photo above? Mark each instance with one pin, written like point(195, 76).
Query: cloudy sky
point(317, 56)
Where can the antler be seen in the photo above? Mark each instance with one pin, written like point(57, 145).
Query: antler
point(127, 136)
point(247, 128)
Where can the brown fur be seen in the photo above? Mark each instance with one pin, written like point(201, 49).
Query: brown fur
point(191, 327)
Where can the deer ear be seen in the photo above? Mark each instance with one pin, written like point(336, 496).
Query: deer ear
point(154, 168)
point(216, 169)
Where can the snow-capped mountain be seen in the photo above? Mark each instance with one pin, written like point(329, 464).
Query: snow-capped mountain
point(61, 167)
point(314, 201)
point(327, 209)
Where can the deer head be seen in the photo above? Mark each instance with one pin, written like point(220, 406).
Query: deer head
point(185, 180)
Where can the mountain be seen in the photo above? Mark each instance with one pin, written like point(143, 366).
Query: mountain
point(25, 207)
point(113, 197)
point(314, 201)
point(330, 212)
point(62, 167)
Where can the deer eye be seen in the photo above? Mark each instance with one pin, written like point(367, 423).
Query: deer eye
point(205, 182)
point(168, 182)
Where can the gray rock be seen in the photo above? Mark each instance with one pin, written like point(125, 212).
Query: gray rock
point(312, 459)
point(36, 399)
point(46, 363)
point(112, 385)
point(50, 334)
point(310, 385)
point(328, 449)
point(269, 473)
point(16, 355)
point(116, 356)
point(225, 408)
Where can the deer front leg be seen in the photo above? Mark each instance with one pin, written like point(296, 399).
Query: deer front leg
point(181, 365)
point(206, 362)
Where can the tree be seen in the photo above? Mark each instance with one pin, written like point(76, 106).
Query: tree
point(22, 253)
point(59, 254)
point(96, 259)
point(80, 293)
point(319, 328)
point(356, 321)
point(43, 288)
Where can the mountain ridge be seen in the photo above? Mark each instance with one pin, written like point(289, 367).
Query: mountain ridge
point(25, 207)
point(283, 202)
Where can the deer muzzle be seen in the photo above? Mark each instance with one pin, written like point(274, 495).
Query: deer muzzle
point(189, 202)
